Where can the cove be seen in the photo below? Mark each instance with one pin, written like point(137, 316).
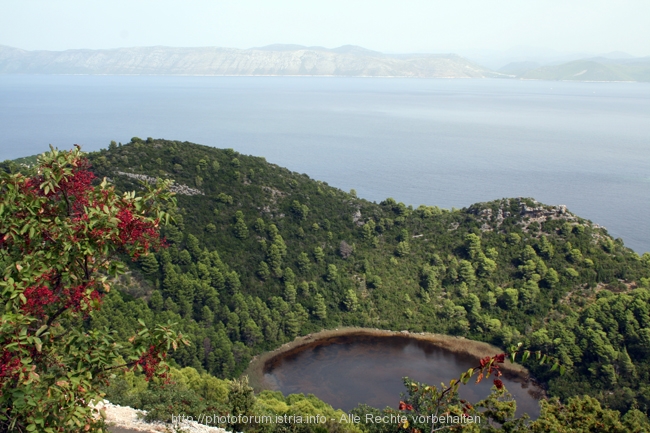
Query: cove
point(345, 369)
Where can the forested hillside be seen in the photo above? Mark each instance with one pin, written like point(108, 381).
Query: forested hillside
point(259, 255)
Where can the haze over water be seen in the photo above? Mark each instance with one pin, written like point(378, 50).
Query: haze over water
point(435, 142)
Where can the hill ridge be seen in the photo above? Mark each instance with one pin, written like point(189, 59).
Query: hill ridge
point(280, 60)
point(267, 254)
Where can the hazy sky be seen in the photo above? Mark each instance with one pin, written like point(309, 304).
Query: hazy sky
point(593, 26)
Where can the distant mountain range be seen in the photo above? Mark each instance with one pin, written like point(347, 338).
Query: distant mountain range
point(290, 60)
point(271, 60)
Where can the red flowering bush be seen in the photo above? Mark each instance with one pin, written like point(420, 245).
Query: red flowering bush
point(59, 235)
point(432, 408)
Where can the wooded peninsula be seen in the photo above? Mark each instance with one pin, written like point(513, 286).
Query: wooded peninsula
point(258, 256)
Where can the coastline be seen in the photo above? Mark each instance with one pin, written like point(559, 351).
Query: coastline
point(458, 345)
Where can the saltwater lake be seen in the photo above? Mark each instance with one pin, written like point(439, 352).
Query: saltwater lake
point(348, 370)
point(440, 142)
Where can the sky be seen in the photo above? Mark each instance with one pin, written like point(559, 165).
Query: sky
point(406, 26)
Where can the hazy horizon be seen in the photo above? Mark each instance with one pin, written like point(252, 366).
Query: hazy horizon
point(516, 50)
point(491, 59)
point(547, 28)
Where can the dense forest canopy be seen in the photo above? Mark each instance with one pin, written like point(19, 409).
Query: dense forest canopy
point(259, 255)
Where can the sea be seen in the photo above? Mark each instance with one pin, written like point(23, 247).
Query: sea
point(443, 142)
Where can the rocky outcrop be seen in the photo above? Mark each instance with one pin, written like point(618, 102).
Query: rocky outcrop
point(273, 60)
point(357, 218)
point(527, 210)
point(175, 188)
point(124, 419)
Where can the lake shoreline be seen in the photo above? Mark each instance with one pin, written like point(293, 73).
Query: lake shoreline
point(458, 345)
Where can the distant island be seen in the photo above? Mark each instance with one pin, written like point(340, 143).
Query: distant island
point(287, 60)
point(297, 60)
point(592, 69)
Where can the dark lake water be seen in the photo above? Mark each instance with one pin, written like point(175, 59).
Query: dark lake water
point(439, 142)
point(346, 371)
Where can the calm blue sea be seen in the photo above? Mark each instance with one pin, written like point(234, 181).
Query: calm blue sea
point(449, 143)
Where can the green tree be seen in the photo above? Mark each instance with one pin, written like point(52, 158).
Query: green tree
point(367, 231)
point(320, 309)
point(149, 264)
point(259, 225)
point(184, 257)
point(292, 325)
point(351, 302)
point(301, 211)
point(572, 273)
point(373, 281)
point(156, 301)
point(403, 249)
point(545, 248)
point(319, 255)
point(202, 165)
point(304, 289)
point(575, 255)
point(263, 271)
point(510, 298)
point(303, 262)
point(241, 231)
point(332, 273)
point(289, 293)
point(486, 266)
point(224, 198)
point(288, 276)
point(467, 272)
point(473, 245)
point(580, 414)
point(274, 259)
point(552, 278)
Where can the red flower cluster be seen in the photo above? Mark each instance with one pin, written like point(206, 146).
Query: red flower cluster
point(76, 296)
point(8, 365)
point(76, 187)
point(149, 362)
point(37, 298)
point(32, 186)
point(134, 231)
point(498, 383)
point(405, 406)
